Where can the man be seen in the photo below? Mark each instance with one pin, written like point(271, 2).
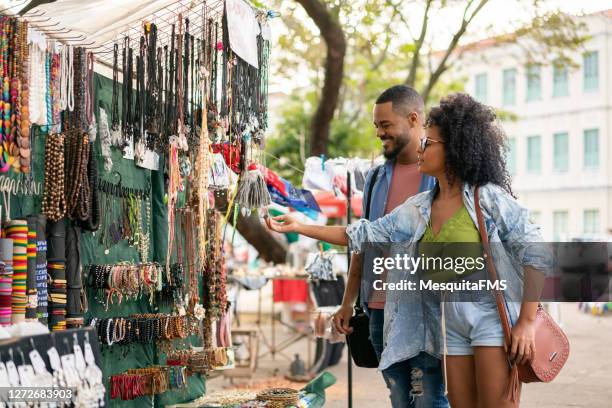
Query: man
point(398, 118)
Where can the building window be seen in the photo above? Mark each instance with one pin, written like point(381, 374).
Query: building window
point(560, 152)
point(534, 83)
point(560, 224)
point(591, 148)
point(511, 157)
point(480, 87)
point(591, 221)
point(509, 86)
point(560, 79)
point(534, 154)
point(590, 70)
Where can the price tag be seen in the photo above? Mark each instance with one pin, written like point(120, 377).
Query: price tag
point(79, 360)
point(12, 373)
point(26, 375)
point(54, 359)
point(37, 362)
point(68, 362)
point(4, 380)
point(89, 355)
point(70, 373)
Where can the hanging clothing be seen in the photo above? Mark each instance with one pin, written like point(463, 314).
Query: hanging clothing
point(331, 174)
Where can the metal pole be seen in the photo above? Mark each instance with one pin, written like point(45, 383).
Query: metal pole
point(348, 255)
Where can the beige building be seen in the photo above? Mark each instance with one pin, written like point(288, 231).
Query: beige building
point(560, 146)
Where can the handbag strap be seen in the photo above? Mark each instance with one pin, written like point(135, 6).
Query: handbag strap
point(499, 299)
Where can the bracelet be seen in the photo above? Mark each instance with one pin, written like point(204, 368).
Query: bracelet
point(108, 340)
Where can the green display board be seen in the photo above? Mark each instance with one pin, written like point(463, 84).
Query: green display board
point(117, 359)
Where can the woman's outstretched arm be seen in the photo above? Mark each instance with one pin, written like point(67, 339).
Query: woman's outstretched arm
point(285, 223)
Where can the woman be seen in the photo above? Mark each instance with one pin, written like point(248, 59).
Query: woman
point(463, 149)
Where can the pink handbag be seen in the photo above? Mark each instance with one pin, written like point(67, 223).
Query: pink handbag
point(552, 345)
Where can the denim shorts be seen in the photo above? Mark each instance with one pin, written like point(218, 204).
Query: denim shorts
point(471, 324)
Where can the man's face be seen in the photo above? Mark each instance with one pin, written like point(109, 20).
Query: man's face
point(394, 129)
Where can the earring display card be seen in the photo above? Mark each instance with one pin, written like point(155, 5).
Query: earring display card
point(50, 368)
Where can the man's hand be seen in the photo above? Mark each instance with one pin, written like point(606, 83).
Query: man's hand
point(283, 223)
point(341, 319)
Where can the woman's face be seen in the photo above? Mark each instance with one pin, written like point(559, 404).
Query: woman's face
point(431, 153)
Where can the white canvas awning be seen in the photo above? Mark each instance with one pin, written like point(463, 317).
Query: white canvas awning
point(97, 24)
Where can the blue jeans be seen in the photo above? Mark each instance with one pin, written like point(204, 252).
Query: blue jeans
point(413, 383)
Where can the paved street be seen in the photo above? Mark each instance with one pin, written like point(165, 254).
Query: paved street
point(586, 380)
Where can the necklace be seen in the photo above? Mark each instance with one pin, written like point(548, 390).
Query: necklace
point(77, 183)
point(54, 203)
point(115, 98)
point(55, 92)
point(152, 92)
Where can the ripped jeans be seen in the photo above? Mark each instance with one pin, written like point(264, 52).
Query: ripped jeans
point(413, 383)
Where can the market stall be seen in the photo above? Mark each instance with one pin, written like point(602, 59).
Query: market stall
point(122, 123)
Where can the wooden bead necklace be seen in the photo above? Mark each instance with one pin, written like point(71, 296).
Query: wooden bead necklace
point(54, 202)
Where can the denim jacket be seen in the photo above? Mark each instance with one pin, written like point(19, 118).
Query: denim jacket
point(378, 203)
point(412, 321)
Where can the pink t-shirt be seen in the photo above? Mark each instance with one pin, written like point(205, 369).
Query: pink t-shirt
point(404, 184)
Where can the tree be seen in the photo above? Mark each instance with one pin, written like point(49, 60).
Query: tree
point(336, 120)
point(331, 31)
point(377, 54)
point(549, 33)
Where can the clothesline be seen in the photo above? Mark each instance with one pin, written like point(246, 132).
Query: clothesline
point(287, 164)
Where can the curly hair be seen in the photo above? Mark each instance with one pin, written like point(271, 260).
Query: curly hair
point(474, 143)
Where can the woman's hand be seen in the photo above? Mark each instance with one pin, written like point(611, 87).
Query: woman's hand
point(522, 348)
point(283, 223)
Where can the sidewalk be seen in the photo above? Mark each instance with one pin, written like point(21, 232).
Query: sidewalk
point(586, 380)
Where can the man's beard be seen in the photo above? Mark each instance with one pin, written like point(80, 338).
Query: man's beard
point(400, 142)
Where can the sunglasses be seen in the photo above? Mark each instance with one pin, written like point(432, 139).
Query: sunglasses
point(425, 141)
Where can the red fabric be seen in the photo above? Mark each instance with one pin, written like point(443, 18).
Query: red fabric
point(231, 154)
point(273, 179)
point(335, 207)
point(340, 182)
point(290, 290)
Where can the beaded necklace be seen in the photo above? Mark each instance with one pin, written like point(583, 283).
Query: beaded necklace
point(139, 117)
point(78, 200)
point(15, 89)
point(152, 117)
point(92, 221)
point(171, 95)
point(186, 61)
point(157, 142)
point(115, 99)
point(126, 121)
point(54, 202)
point(90, 89)
point(181, 141)
point(48, 92)
point(55, 92)
point(5, 114)
point(24, 135)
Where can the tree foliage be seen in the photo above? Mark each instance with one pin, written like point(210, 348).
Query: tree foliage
point(380, 53)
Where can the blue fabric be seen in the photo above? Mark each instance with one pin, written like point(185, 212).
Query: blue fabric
point(412, 320)
point(471, 324)
point(299, 199)
point(424, 392)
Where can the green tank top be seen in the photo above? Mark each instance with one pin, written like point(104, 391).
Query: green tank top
point(442, 252)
